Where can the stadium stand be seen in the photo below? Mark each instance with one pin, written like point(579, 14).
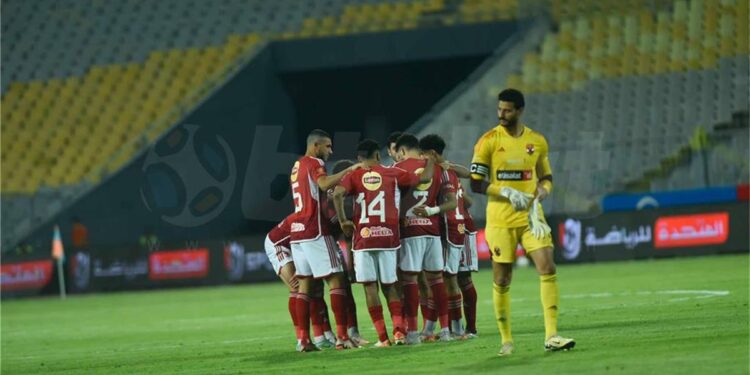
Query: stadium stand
point(617, 108)
point(88, 84)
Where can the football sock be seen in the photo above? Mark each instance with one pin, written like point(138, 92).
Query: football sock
point(501, 300)
point(292, 306)
point(395, 309)
point(376, 314)
point(470, 306)
point(550, 301)
point(351, 309)
point(411, 305)
point(338, 304)
point(303, 316)
point(454, 313)
point(317, 312)
point(441, 301)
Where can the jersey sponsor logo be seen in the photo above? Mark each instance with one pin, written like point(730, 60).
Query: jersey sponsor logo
point(298, 227)
point(415, 220)
point(692, 230)
point(524, 175)
point(529, 148)
point(461, 228)
point(375, 232)
point(295, 169)
point(481, 169)
point(425, 185)
point(372, 180)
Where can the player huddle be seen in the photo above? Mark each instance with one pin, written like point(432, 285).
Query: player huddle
point(409, 234)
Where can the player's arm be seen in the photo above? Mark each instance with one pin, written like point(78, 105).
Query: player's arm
point(326, 182)
point(460, 170)
point(468, 200)
point(544, 171)
point(338, 204)
point(481, 165)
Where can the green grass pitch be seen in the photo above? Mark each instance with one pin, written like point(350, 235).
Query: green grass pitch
point(686, 315)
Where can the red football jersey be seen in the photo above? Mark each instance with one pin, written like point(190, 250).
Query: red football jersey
point(279, 235)
point(453, 225)
point(377, 195)
point(308, 221)
point(424, 194)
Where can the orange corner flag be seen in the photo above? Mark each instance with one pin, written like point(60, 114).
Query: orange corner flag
point(57, 245)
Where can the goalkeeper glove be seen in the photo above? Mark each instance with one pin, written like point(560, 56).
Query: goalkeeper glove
point(519, 200)
point(539, 229)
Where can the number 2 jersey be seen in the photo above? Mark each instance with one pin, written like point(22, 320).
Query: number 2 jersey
point(377, 196)
point(453, 224)
point(308, 221)
point(426, 194)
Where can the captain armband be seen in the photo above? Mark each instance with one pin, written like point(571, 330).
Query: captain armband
point(480, 169)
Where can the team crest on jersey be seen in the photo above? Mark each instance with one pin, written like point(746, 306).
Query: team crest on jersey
point(427, 184)
point(529, 149)
point(295, 169)
point(372, 180)
point(375, 232)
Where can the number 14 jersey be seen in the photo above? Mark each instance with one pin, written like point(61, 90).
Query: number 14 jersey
point(377, 195)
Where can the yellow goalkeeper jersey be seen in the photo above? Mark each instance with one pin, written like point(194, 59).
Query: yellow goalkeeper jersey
point(514, 162)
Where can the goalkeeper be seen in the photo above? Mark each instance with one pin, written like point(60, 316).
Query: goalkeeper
point(511, 166)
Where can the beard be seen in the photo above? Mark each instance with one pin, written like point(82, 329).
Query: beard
point(509, 123)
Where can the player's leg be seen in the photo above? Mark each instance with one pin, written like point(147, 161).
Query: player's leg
point(468, 265)
point(434, 264)
point(287, 275)
point(366, 273)
point(540, 251)
point(326, 264)
point(469, 297)
point(387, 275)
point(427, 305)
point(450, 275)
point(323, 338)
point(410, 260)
point(302, 306)
point(502, 243)
point(351, 306)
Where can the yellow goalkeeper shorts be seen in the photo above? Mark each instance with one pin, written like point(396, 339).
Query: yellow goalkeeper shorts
point(503, 242)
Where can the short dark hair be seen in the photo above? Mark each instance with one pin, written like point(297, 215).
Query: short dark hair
point(367, 148)
point(316, 135)
point(341, 165)
point(407, 141)
point(432, 142)
point(393, 137)
point(512, 95)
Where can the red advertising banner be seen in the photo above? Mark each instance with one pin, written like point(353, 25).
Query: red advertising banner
point(178, 264)
point(691, 230)
point(25, 275)
point(483, 250)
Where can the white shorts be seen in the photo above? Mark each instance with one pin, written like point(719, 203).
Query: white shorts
point(452, 256)
point(469, 260)
point(375, 265)
point(419, 254)
point(318, 258)
point(279, 256)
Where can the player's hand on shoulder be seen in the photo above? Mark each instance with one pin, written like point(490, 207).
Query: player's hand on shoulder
point(347, 227)
point(421, 211)
point(355, 167)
